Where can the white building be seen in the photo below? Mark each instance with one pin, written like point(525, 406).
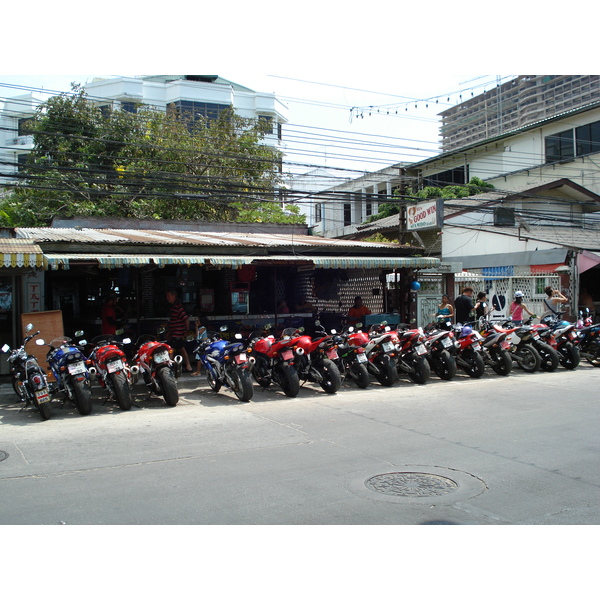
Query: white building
point(198, 95)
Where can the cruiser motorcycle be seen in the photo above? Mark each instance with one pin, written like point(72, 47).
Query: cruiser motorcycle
point(28, 378)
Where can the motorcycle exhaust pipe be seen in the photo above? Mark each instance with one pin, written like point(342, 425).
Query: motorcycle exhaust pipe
point(93, 373)
point(299, 351)
point(251, 361)
point(178, 365)
point(135, 373)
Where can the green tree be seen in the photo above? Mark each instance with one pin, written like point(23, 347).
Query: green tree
point(475, 186)
point(151, 164)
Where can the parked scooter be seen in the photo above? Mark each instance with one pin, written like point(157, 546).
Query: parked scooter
point(439, 344)
point(411, 353)
point(28, 378)
point(315, 357)
point(111, 369)
point(273, 362)
point(352, 359)
point(159, 370)
point(227, 364)
point(69, 366)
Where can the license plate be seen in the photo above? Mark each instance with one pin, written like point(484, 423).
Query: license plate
point(332, 353)
point(42, 396)
point(536, 336)
point(240, 358)
point(446, 342)
point(77, 368)
point(388, 346)
point(361, 358)
point(287, 355)
point(116, 365)
point(161, 357)
point(420, 349)
point(476, 346)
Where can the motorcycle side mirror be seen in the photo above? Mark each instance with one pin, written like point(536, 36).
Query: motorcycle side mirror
point(28, 327)
point(126, 341)
point(317, 323)
point(333, 331)
point(40, 342)
point(83, 342)
point(119, 332)
point(301, 329)
point(238, 336)
point(359, 325)
point(5, 348)
point(223, 328)
point(78, 333)
point(160, 330)
point(383, 323)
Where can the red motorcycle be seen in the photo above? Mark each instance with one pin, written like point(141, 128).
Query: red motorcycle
point(111, 369)
point(468, 351)
point(159, 370)
point(273, 362)
point(315, 358)
point(411, 354)
point(440, 343)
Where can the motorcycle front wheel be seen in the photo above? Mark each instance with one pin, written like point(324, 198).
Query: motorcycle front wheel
point(213, 382)
point(287, 378)
point(168, 384)
point(331, 378)
point(120, 388)
point(421, 371)
point(82, 393)
point(242, 385)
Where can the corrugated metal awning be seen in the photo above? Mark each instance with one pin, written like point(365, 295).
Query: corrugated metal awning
point(20, 253)
point(116, 261)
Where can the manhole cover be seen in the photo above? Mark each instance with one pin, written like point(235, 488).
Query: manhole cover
point(3, 455)
point(417, 485)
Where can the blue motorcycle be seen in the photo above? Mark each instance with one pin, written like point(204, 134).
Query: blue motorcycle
point(226, 364)
point(68, 364)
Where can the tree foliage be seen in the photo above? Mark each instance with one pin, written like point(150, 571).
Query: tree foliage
point(475, 186)
point(94, 161)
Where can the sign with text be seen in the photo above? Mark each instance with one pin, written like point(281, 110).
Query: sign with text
point(425, 215)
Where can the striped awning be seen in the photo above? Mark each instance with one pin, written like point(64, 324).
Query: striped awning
point(20, 253)
point(116, 261)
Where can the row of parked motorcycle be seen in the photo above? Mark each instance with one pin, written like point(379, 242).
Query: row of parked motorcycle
point(292, 358)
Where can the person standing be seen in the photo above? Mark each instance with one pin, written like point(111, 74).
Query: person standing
point(481, 306)
point(445, 311)
point(464, 306)
point(178, 327)
point(554, 301)
point(109, 315)
point(357, 311)
point(515, 314)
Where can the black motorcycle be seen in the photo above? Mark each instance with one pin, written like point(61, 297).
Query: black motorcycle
point(28, 378)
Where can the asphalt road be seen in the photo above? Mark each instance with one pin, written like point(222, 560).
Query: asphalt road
point(522, 449)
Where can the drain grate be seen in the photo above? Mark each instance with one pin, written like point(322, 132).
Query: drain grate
point(3, 455)
point(407, 484)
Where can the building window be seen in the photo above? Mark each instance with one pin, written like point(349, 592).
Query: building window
point(347, 214)
point(458, 176)
point(130, 107)
point(587, 138)
point(23, 126)
point(318, 212)
point(560, 146)
point(504, 217)
point(190, 111)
